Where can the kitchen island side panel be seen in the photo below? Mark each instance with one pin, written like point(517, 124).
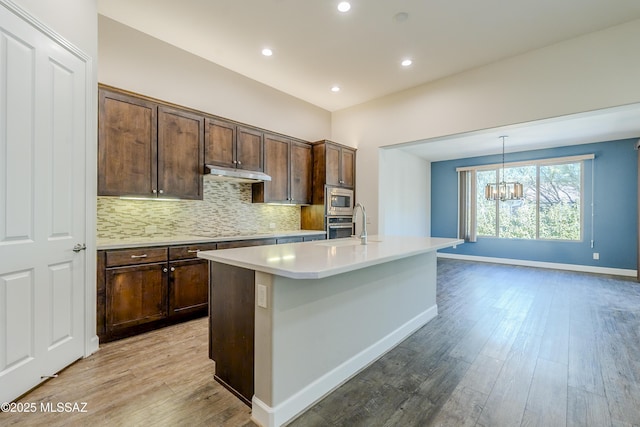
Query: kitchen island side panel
point(317, 333)
point(231, 327)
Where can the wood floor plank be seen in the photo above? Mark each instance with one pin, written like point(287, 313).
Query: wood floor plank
point(548, 393)
point(462, 409)
point(507, 400)
point(503, 336)
point(386, 369)
point(535, 322)
point(555, 340)
point(476, 338)
point(359, 403)
point(482, 374)
point(586, 409)
point(584, 366)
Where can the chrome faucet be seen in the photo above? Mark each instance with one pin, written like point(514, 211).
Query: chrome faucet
point(363, 234)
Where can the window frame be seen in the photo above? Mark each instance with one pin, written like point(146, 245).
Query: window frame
point(537, 163)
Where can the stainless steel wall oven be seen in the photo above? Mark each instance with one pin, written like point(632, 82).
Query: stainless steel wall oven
point(338, 212)
point(339, 227)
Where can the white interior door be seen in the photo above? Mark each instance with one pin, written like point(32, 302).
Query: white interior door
point(42, 205)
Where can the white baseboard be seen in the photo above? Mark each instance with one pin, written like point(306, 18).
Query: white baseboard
point(92, 346)
point(267, 416)
point(541, 264)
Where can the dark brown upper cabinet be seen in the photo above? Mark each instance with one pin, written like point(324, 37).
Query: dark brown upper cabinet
point(233, 146)
point(301, 172)
point(180, 153)
point(127, 145)
point(333, 165)
point(289, 164)
point(147, 149)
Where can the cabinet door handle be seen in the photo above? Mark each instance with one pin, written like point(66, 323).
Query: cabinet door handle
point(139, 256)
point(235, 162)
point(239, 162)
point(173, 269)
point(154, 191)
point(161, 191)
point(164, 270)
point(193, 251)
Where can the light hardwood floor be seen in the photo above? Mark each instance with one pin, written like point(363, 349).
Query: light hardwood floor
point(511, 346)
point(161, 378)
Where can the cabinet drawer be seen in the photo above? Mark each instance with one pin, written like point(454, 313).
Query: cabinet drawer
point(136, 256)
point(315, 237)
point(189, 251)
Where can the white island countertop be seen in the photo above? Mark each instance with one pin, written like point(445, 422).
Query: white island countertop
point(320, 259)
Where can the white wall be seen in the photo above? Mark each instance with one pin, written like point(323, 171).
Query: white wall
point(75, 20)
point(405, 194)
point(137, 62)
point(591, 72)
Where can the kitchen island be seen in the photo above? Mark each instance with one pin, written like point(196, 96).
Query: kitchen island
point(290, 323)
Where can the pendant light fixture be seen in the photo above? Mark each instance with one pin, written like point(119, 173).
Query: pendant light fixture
point(503, 190)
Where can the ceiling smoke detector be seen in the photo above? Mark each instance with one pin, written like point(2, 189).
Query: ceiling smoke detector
point(401, 16)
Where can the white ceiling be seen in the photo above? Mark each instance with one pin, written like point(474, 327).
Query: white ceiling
point(316, 47)
point(584, 128)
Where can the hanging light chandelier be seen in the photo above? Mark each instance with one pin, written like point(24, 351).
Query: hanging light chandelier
point(503, 190)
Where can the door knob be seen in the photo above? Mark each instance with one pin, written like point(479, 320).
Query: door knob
point(79, 247)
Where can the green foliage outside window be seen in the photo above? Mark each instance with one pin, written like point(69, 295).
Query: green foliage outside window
point(551, 208)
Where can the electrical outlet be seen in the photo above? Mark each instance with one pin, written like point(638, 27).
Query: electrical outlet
point(262, 296)
point(596, 255)
point(150, 229)
point(272, 225)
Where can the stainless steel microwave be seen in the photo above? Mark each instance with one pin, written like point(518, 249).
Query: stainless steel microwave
point(339, 201)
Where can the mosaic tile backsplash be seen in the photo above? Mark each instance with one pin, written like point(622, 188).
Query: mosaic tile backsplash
point(225, 210)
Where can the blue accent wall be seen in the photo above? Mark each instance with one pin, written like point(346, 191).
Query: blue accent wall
point(615, 208)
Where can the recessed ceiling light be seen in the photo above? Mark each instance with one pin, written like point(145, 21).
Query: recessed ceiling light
point(335, 89)
point(267, 52)
point(344, 6)
point(406, 62)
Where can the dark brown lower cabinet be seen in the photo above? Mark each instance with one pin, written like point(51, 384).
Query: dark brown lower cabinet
point(142, 289)
point(136, 295)
point(189, 287)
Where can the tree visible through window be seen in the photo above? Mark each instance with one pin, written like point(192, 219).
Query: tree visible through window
point(551, 207)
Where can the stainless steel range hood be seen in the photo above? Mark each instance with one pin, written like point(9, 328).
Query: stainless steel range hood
point(219, 173)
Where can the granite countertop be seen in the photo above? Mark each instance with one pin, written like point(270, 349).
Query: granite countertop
point(134, 242)
point(319, 259)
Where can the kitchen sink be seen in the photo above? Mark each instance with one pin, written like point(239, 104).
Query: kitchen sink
point(345, 242)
